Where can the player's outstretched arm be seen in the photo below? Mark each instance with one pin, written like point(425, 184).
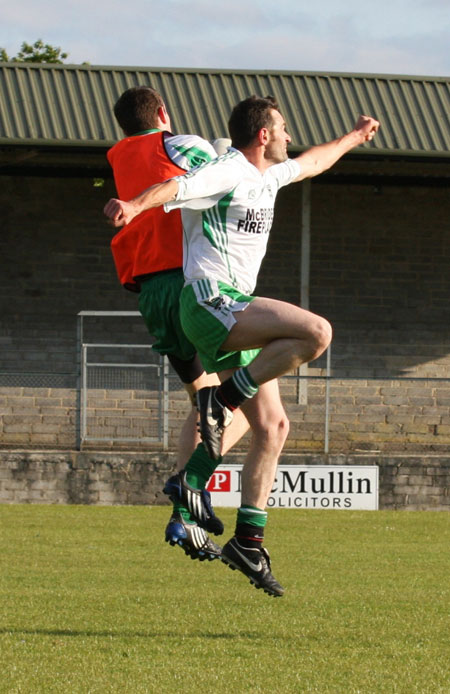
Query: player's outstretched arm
point(120, 212)
point(320, 158)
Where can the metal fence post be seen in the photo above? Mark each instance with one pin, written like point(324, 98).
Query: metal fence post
point(165, 403)
point(78, 382)
point(327, 400)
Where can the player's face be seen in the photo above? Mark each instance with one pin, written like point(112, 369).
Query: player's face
point(276, 148)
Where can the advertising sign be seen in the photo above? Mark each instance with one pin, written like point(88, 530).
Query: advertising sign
point(352, 487)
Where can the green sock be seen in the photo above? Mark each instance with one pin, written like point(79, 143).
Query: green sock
point(250, 525)
point(183, 511)
point(200, 467)
point(250, 515)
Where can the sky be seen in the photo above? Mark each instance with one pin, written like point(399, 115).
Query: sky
point(408, 37)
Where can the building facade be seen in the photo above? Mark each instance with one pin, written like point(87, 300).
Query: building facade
point(367, 245)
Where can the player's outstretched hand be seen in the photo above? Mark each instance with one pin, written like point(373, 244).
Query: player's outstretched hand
point(119, 212)
point(367, 128)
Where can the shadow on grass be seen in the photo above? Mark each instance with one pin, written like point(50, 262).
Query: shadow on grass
point(133, 634)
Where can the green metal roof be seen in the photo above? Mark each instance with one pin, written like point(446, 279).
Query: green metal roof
point(71, 105)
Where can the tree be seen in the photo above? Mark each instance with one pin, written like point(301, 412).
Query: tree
point(36, 53)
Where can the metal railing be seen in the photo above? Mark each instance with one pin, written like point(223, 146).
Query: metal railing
point(143, 385)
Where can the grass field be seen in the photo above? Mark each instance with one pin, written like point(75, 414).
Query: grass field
point(93, 601)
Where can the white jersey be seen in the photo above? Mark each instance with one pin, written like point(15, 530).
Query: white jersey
point(227, 210)
point(188, 151)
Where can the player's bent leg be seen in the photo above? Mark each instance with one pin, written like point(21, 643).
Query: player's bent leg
point(265, 320)
point(287, 334)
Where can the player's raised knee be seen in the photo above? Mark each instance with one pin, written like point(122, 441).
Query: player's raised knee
point(320, 336)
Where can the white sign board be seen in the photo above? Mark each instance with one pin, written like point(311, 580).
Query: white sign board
point(352, 487)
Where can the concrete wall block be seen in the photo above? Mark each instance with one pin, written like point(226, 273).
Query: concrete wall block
point(147, 396)
point(421, 401)
point(418, 438)
point(122, 421)
point(45, 439)
point(337, 428)
point(105, 403)
point(22, 402)
point(438, 471)
point(377, 411)
point(427, 420)
point(67, 417)
point(310, 420)
point(65, 441)
point(402, 480)
point(100, 413)
point(48, 402)
point(19, 419)
point(10, 484)
point(391, 431)
point(419, 501)
point(15, 429)
point(341, 404)
point(397, 400)
point(408, 469)
point(371, 418)
point(44, 487)
point(372, 392)
point(45, 428)
point(442, 401)
point(25, 413)
point(399, 418)
point(131, 404)
point(59, 419)
point(415, 428)
point(350, 419)
point(364, 403)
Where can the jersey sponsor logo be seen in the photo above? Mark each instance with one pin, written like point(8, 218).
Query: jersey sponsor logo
point(257, 221)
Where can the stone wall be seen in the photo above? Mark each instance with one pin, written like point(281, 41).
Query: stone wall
point(103, 478)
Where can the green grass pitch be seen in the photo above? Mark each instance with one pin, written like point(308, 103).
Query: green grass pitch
point(94, 602)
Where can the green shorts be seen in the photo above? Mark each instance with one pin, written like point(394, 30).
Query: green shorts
point(207, 309)
point(159, 304)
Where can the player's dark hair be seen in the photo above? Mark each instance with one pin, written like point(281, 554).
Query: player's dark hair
point(137, 109)
point(248, 117)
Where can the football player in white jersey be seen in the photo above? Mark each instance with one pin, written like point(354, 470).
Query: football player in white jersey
point(148, 256)
point(227, 208)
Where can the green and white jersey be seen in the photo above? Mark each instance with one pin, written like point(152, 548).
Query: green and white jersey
point(227, 210)
point(188, 151)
